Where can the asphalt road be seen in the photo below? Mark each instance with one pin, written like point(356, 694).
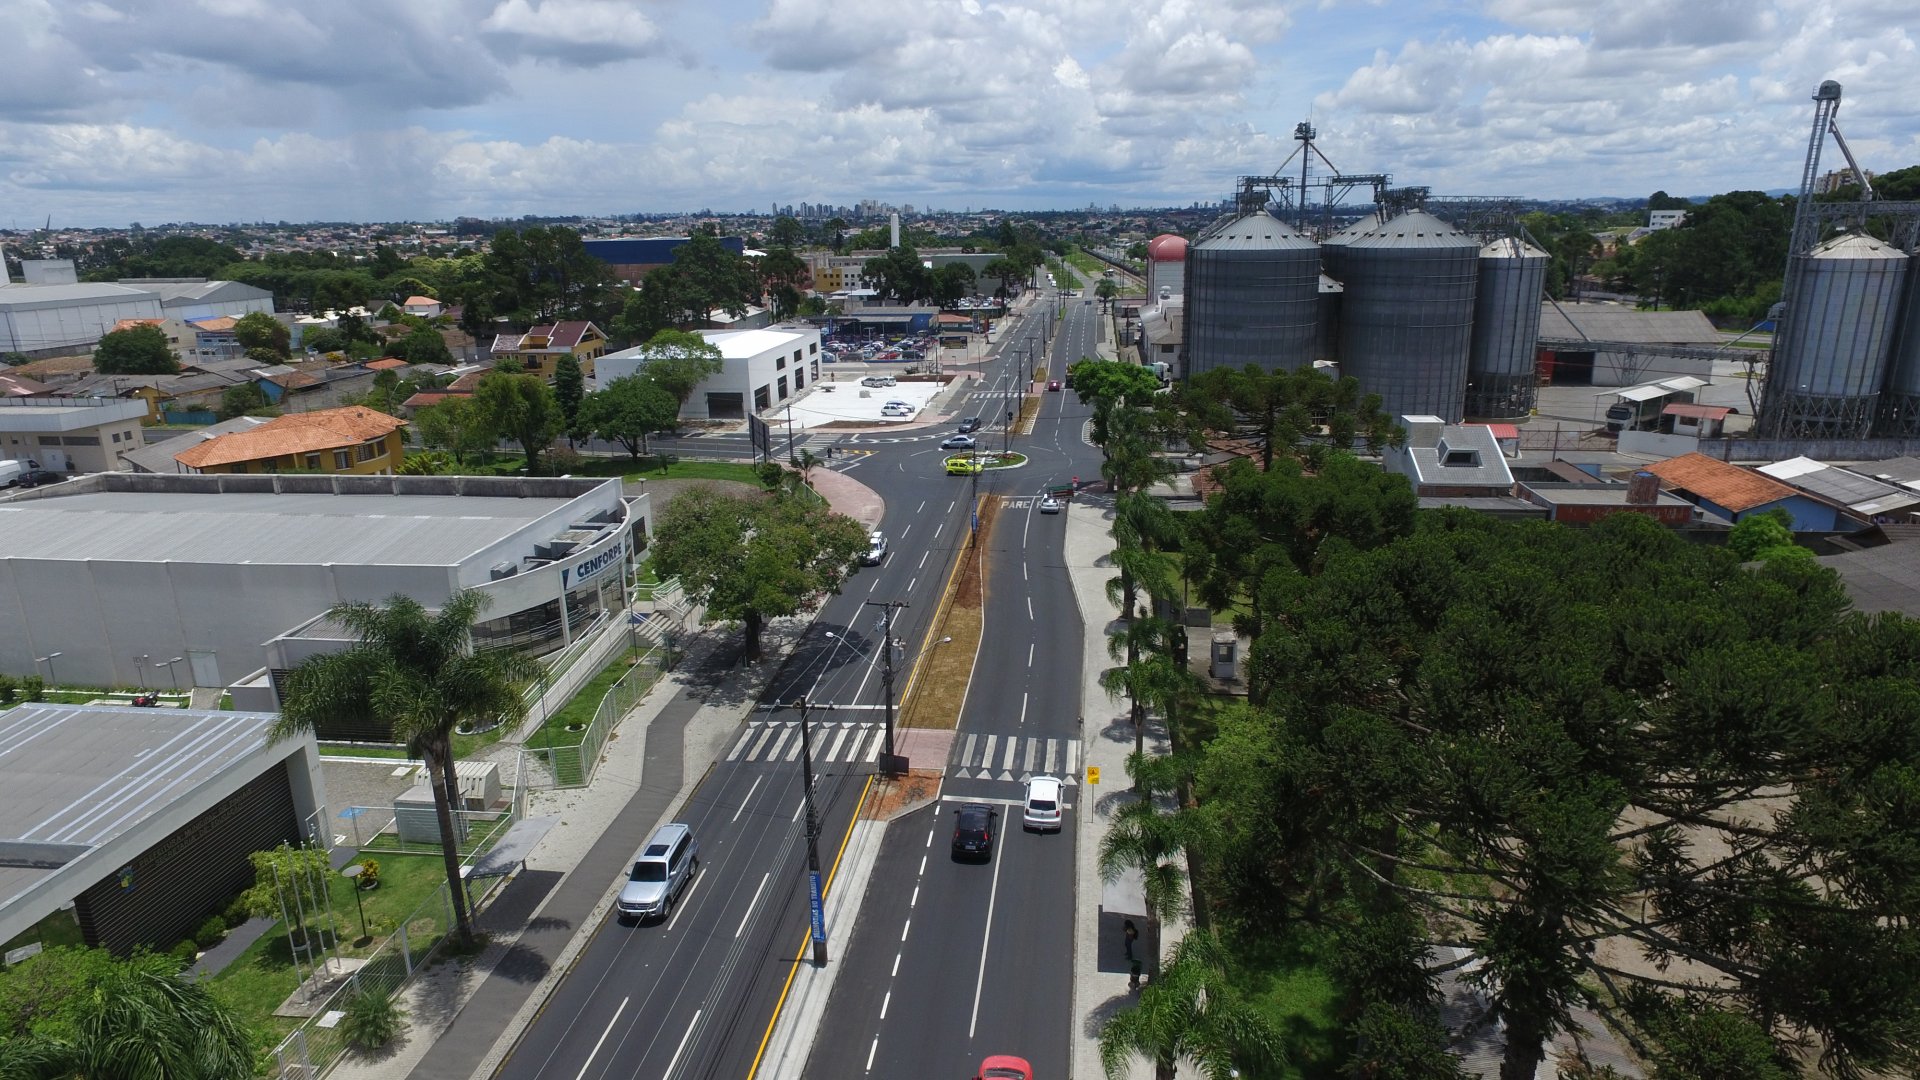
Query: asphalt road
point(692, 996)
point(952, 961)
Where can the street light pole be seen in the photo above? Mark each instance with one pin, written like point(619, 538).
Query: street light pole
point(352, 872)
point(173, 674)
point(889, 763)
point(52, 680)
point(140, 669)
point(814, 892)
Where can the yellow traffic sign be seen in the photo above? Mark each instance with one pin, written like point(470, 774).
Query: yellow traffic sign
point(1093, 774)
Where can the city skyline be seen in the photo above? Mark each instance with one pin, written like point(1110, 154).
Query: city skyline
point(241, 110)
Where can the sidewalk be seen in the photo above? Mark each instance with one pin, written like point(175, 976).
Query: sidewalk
point(1106, 732)
point(465, 1016)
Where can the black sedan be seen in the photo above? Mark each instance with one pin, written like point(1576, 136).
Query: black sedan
point(34, 478)
point(973, 831)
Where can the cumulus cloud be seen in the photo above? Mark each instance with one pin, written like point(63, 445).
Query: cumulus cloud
point(588, 32)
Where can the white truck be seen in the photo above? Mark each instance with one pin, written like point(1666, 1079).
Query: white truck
point(11, 470)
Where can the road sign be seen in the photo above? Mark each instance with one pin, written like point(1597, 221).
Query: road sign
point(819, 910)
point(1093, 774)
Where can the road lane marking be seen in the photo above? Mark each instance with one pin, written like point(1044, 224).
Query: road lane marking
point(1029, 608)
point(872, 1050)
point(905, 928)
point(938, 531)
point(603, 1038)
point(980, 983)
point(905, 531)
point(911, 582)
point(884, 1002)
point(1006, 763)
point(683, 1041)
point(753, 903)
point(987, 758)
point(680, 905)
point(1023, 708)
point(951, 505)
point(797, 809)
point(916, 891)
point(1030, 646)
point(793, 969)
point(923, 506)
point(896, 966)
point(923, 559)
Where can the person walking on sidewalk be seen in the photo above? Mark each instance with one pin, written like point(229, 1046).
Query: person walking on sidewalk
point(1130, 933)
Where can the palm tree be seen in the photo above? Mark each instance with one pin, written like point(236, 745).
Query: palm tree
point(1148, 837)
point(417, 675)
point(1190, 1011)
point(141, 1020)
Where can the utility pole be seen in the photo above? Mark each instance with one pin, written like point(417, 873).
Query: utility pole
point(815, 901)
point(889, 763)
point(790, 456)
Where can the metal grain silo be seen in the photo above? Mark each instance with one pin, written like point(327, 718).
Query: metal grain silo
point(1333, 247)
point(1830, 359)
point(1406, 319)
point(1506, 330)
point(1253, 288)
point(1900, 401)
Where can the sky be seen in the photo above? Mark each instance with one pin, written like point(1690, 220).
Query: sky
point(219, 111)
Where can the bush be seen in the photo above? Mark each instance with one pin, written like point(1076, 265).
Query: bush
point(211, 932)
point(372, 1019)
point(185, 952)
point(9, 686)
point(369, 874)
point(236, 912)
point(33, 688)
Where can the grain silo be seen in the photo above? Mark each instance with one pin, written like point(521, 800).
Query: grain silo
point(1253, 287)
point(1333, 247)
point(1900, 401)
point(1406, 318)
point(1830, 361)
point(1506, 327)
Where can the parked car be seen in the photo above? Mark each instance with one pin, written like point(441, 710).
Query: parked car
point(957, 442)
point(962, 466)
point(1041, 810)
point(1004, 1067)
point(973, 831)
point(897, 412)
point(34, 478)
point(896, 403)
point(1049, 505)
point(971, 423)
point(876, 552)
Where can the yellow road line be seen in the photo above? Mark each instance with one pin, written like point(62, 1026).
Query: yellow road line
point(832, 872)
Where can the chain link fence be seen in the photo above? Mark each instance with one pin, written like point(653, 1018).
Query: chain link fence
point(573, 766)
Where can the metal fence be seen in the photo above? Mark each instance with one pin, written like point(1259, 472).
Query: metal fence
point(373, 829)
point(320, 1041)
point(573, 766)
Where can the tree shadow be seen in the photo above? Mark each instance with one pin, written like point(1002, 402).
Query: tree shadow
point(522, 964)
point(1097, 1017)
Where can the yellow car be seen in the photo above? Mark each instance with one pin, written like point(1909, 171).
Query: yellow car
point(962, 466)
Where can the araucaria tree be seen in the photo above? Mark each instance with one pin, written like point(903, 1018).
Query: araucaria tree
point(416, 675)
point(750, 558)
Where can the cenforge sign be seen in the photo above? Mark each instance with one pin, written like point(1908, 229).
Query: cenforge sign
point(586, 568)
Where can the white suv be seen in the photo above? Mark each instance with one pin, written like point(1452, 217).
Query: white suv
point(876, 552)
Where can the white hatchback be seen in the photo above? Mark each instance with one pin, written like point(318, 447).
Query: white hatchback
point(1042, 810)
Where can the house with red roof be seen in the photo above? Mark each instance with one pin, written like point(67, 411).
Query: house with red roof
point(541, 347)
point(1736, 494)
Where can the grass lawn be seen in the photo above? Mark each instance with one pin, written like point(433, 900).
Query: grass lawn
point(1202, 717)
point(263, 976)
point(649, 467)
point(1085, 262)
point(397, 753)
point(1285, 977)
point(580, 708)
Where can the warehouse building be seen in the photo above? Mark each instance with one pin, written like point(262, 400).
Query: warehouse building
point(47, 320)
point(133, 579)
point(142, 819)
point(632, 258)
point(199, 298)
point(761, 367)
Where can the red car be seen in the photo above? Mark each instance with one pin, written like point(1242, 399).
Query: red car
point(1004, 1067)
point(1054, 385)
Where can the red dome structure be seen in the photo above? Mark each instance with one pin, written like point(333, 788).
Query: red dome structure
point(1167, 248)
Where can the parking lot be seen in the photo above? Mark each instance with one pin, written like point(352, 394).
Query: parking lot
point(845, 399)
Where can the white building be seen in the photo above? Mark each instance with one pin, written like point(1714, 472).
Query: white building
point(49, 319)
point(229, 575)
point(198, 298)
point(1665, 219)
point(71, 434)
point(762, 367)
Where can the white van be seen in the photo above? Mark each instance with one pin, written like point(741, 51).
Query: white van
point(12, 470)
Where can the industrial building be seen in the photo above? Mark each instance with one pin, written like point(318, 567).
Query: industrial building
point(199, 298)
point(764, 367)
point(70, 434)
point(632, 258)
point(142, 819)
point(134, 579)
point(53, 313)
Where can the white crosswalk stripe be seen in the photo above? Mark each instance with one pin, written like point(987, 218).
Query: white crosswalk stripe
point(1014, 757)
point(833, 742)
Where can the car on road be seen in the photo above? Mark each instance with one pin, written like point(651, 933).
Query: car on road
point(34, 478)
point(1054, 385)
point(1041, 810)
point(1004, 1067)
point(973, 831)
point(957, 442)
point(876, 552)
point(971, 423)
point(896, 403)
point(960, 465)
point(1049, 505)
point(660, 874)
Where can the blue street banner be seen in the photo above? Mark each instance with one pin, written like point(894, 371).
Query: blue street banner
point(819, 909)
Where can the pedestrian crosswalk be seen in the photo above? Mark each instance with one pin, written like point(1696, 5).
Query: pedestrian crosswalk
point(1015, 757)
point(779, 740)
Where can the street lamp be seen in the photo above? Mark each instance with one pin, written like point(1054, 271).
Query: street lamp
point(816, 905)
point(48, 660)
point(168, 664)
point(140, 669)
point(352, 872)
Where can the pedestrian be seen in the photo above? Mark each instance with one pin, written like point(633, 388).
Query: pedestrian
point(1131, 934)
point(829, 451)
point(1133, 975)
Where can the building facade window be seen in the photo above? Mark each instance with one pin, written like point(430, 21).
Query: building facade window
point(760, 398)
point(536, 629)
point(779, 363)
point(796, 356)
point(313, 461)
point(783, 388)
point(343, 459)
point(368, 451)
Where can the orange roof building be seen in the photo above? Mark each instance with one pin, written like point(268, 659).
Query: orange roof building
point(1735, 493)
point(352, 440)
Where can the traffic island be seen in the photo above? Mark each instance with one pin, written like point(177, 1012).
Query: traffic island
point(937, 687)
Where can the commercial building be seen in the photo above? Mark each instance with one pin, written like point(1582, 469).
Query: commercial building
point(198, 298)
point(46, 320)
point(1445, 460)
point(122, 572)
point(70, 434)
point(354, 440)
point(634, 257)
point(761, 367)
point(142, 819)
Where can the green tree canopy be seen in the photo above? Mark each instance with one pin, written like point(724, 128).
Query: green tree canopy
point(454, 424)
point(137, 350)
point(751, 558)
point(521, 408)
point(628, 411)
point(681, 361)
point(569, 388)
point(242, 400)
point(258, 330)
point(131, 1019)
point(424, 345)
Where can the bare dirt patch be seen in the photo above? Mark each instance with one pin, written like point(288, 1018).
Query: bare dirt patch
point(891, 798)
point(940, 683)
